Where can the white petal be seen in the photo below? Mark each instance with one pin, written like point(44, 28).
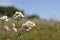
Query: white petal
point(3, 17)
point(21, 15)
point(34, 24)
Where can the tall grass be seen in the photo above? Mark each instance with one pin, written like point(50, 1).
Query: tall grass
point(43, 31)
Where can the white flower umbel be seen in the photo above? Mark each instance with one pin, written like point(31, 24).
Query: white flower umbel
point(7, 28)
point(18, 14)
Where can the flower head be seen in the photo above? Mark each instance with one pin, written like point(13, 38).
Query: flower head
point(5, 18)
point(28, 25)
point(18, 14)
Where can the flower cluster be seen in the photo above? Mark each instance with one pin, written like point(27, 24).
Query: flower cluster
point(27, 26)
point(18, 15)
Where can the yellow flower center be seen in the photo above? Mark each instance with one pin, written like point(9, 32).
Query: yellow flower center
point(26, 26)
point(17, 13)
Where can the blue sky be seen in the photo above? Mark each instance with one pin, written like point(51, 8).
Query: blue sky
point(45, 9)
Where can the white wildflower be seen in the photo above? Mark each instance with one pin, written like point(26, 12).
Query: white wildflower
point(18, 14)
point(3, 17)
point(28, 25)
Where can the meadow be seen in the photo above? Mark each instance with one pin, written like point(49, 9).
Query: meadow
point(45, 30)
